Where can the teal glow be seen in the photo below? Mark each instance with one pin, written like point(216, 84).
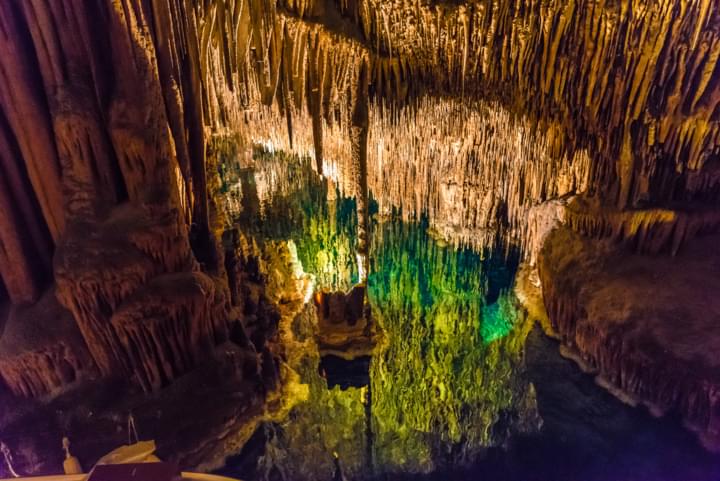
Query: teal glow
point(497, 320)
point(446, 374)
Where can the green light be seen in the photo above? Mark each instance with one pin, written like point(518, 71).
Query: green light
point(454, 338)
point(497, 320)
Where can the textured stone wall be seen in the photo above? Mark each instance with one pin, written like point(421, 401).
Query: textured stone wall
point(114, 103)
point(647, 325)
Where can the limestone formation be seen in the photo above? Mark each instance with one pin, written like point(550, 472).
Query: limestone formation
point(99, 265)
point(42, 351)
point(125, 111)
point(651, 230)
point(168, 325)
point(115, 117)
point(647, 325)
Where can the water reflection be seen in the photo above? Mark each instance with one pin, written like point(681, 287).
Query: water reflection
point(454, 388)
point(446, 381)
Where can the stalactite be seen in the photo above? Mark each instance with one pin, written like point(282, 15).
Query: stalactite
point(169, 324)
point(316, 73)
point(18, 274)
point(167, 30)
point(443, 61)
point(42, 351)
point(89, 170)
point(100, 265)
point(473, 168)
point(285, 81)
point(617, 65)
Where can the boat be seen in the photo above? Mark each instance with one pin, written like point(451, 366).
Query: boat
point(130, 462)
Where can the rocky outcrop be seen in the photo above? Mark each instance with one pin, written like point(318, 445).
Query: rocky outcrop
point(99, 265)
point(649, 231)
point(648, 325)
point(167, 326)
point(41, 350)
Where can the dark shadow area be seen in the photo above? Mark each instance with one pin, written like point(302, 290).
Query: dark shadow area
point(345, 373)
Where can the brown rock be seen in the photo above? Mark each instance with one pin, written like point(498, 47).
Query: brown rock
point(169, 324)
point(41, 350)
point(98, 265)
point(649, 325)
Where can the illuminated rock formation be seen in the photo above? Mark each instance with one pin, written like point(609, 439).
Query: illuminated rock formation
point(115, 117)
point(646, 324)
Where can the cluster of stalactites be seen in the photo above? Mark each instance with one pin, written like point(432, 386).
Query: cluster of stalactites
point(473, 168)
point(92, 117)
point(301, 92)
point(121, 112)
point(630, 85)
point(635, 81)
point(639, 76)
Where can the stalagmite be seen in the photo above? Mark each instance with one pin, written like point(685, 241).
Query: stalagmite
point(359, 164)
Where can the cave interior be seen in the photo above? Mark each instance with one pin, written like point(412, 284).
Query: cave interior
point(362, 239)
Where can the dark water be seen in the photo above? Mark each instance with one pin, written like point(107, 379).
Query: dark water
point(462, 385)
point(589, 435)
point(345, 373)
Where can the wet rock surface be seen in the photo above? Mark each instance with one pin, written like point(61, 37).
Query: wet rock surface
point(648, 325)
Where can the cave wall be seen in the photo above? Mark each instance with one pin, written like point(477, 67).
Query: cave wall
point(645, 324)
point(100, 111)
point(109, 107)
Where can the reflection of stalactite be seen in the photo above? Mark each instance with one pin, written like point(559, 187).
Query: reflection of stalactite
point(293, 203)
point(450, 365)
point(473, 168)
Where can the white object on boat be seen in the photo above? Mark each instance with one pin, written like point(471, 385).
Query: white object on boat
point(140, 452)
